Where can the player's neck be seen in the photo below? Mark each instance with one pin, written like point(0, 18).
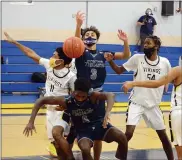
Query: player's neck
point(91, 48)
point(59, 67)
point(153, 57)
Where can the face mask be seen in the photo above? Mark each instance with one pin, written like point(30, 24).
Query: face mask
point(52, 62)
point(90, 41)
point(148, 52)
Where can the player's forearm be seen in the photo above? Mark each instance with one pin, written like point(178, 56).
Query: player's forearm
point(78, 31)
point(147, 84)
point(115, 67)
point(27, 51)
point(140, 24)
point(126, 51)
point(110, 101)
point(35, 110)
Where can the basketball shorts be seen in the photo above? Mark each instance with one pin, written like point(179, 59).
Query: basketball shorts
point(153, 117)
point(93, 132)
point(54, 118)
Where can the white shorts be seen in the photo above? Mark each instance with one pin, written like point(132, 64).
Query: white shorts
point(54, 118)
point(153, 116)
point(176, 121)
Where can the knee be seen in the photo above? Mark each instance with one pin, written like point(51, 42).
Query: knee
point(85, 150)
point(129, 135)
point(57, 132)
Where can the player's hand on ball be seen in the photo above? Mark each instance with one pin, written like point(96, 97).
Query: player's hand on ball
point(122, 35)
point(8, 38)
point(109, 56)
point(29, 129)
point(106, 119)
point(126, 86)
point(80, 17)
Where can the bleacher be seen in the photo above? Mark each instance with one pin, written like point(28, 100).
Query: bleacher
point(16, 85)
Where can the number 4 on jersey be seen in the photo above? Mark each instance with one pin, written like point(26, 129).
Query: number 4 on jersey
point(151, 77)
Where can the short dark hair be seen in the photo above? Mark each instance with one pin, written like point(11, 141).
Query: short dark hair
point(91, 28)
point(156, 40)
point(63, 56)
point(82, 84)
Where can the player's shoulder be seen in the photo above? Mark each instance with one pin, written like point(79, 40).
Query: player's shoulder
point(138, 55)
point(164, 59)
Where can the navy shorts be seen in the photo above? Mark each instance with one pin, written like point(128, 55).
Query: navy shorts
point(94, 132)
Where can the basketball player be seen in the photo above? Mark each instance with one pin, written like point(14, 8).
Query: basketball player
point(59, 81)
point(92, 64)
point(174, 76)
point(83, 108)
point(143, 101)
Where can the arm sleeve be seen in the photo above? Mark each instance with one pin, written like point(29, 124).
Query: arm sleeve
point(132, 63)
point(44, 62)
point(154, 22)
point(71, 83)
point(140, 19)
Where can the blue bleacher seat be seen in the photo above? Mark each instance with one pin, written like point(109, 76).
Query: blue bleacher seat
point(16, 74)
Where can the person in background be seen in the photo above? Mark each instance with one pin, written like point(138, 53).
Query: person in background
point(148, 26)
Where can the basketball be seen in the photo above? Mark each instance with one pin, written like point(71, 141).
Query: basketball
point(73, 47)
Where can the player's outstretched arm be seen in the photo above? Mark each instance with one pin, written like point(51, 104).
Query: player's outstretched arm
point(118, 69)
point(40, 102)
point(126, 53)
point(79, 21)
point(27, 51)
point(171, 76)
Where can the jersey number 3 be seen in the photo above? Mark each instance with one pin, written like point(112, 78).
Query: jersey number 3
point(151, 77)
point(93, 75)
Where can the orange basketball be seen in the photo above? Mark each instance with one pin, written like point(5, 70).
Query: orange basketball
point(73, 47)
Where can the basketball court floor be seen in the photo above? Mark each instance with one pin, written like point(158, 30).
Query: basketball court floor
point(145, 144)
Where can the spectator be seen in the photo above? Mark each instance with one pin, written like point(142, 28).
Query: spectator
point(147, 23)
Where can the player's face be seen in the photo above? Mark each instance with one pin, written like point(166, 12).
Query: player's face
point(149, 43)
point(80, 96)
point(90, 34)
point(55, 55)
point(55, 61)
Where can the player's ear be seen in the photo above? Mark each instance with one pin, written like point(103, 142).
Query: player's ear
point(60, 61)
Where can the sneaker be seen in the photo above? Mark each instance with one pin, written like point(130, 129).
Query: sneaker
point(52, 150)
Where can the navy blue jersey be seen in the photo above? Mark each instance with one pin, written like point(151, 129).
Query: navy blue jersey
point(92, 66)
point(86, 114)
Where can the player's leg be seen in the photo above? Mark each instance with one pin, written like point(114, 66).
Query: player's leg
point(71, 136)
point(97, 149)
point(85, 143)
point(62, 143)
point(176, 120)
point(112, 134)
point(133, 116)
point(50, 119)
point(154, 118)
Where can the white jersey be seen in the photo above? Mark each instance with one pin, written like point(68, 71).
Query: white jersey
point(58, 82)
point(176, 97)
point(73, 66)
point(147, 70)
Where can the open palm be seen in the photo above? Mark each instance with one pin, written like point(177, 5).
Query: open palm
point(8, 38)
point(80, 17)
point(122, 35)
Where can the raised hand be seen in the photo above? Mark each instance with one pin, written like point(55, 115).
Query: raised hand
point(109, 56)
point(8, 38)
point(29, 129)
point(122, 35)
point(80, 17)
